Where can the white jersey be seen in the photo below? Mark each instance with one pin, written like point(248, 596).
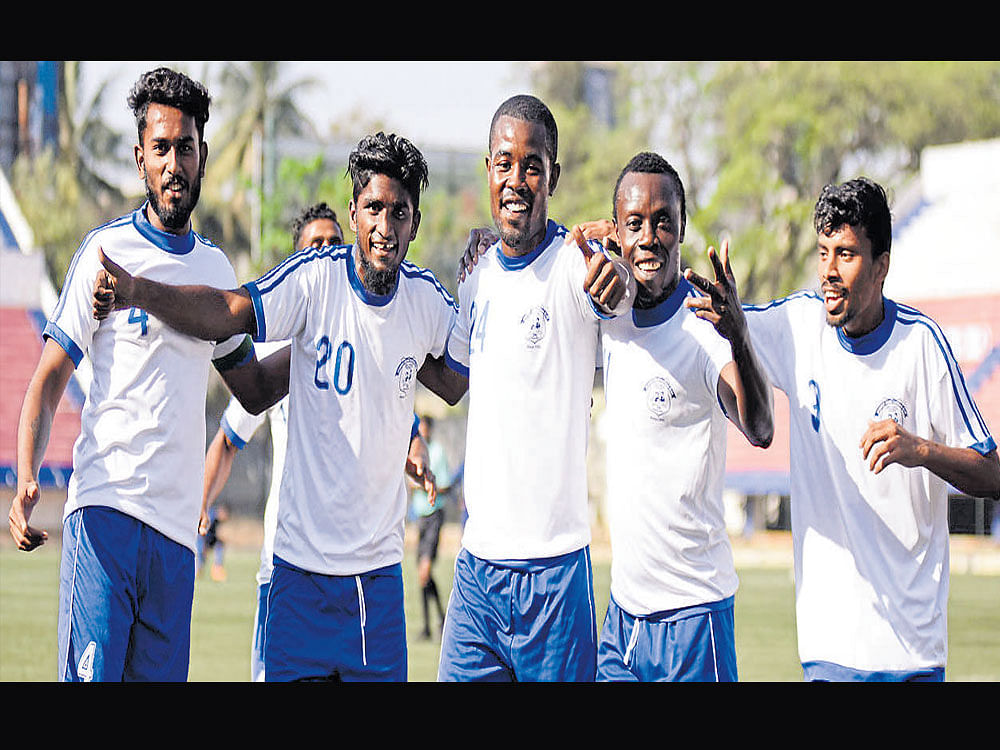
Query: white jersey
point(871, 551)
point(354, 365)
point(526, 336)
point(141, 448)
point(239, 426)
point(665, 433)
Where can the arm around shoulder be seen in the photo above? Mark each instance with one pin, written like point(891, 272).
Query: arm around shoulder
point(438, 377)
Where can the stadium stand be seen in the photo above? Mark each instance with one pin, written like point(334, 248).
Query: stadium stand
point(25, 296)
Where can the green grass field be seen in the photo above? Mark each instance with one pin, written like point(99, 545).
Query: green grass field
point(223, 613)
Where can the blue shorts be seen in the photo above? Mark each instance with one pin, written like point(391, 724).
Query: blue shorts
point(824, 671)
point(520, 621)
point(691, 644)
point(322, 627)
point(125, 596)
point(257, 642)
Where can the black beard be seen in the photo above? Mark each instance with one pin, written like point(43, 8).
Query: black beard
point(513, 238)
point(175, 217)
point(376, 281)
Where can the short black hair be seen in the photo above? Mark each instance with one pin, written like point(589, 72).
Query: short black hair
point(307, 216)
point(529, 109)
point(856, 203)
point(389, 155)
point(173, 89)
point(650, 163)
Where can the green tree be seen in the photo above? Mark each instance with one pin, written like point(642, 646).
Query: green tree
point(257, 106)
point(64, 192)
point(757, 141)
point(300, 183)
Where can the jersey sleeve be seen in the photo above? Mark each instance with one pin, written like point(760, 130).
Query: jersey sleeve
point(281, 298)
point(239, 425)
point(72, 324)
point(443, 319)
point(718, 354)
point(771, 336)
point(956, 419)
point(456, 354)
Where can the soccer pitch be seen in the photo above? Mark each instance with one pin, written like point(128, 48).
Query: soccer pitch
point(223, 615)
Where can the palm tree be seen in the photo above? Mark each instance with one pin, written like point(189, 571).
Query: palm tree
point(86, 142)
point(260, 107)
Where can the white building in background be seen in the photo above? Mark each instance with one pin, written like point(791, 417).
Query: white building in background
point(946, 237)
point(945, 261)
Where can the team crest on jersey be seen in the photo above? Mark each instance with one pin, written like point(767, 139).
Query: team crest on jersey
point(405, 373)
point(535, 324)
point(659, 397)
point(893, 409)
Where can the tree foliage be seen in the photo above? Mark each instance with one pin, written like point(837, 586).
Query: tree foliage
point(757, 141)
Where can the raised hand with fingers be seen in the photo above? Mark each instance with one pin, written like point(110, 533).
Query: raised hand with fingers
point(480, 240)
point(720, 304)
point(608, 281)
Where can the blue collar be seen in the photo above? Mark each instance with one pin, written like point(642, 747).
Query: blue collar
point(872, 341)
point(664, 310)
point(178, 244)
point(523, 261)
point(369, 298)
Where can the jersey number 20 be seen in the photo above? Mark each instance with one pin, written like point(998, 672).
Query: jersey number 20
point(343, 368)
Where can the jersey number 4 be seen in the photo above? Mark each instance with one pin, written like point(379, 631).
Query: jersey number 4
point(137, 315)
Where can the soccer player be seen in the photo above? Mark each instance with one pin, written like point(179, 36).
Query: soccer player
point(522, 605)
point(670, 382)
point(315, 227)
point(131, 515)
point(881, 424)
point(430, 517)
point(362, 321)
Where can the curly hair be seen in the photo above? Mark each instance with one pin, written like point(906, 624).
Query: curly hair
point(309, 215)
point(173, 89)
point(390, 155)
point(529, 109)
point(650, 163)
point(856, 203)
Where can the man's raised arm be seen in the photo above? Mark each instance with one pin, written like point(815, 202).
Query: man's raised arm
point(200, 311)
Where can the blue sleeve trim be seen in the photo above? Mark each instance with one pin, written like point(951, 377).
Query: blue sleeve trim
point(235, 439)
point(415, 430)
point(984, 446)
point(60, 337)
point(597, 311)
point(258, 312)
point(455, 365)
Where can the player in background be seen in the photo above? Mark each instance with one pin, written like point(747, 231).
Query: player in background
point(316, 226)
point(131, 515)
point(521, 606)
point(362, 321)
point(430, 517)
point(671, 380)
point(881, 424)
